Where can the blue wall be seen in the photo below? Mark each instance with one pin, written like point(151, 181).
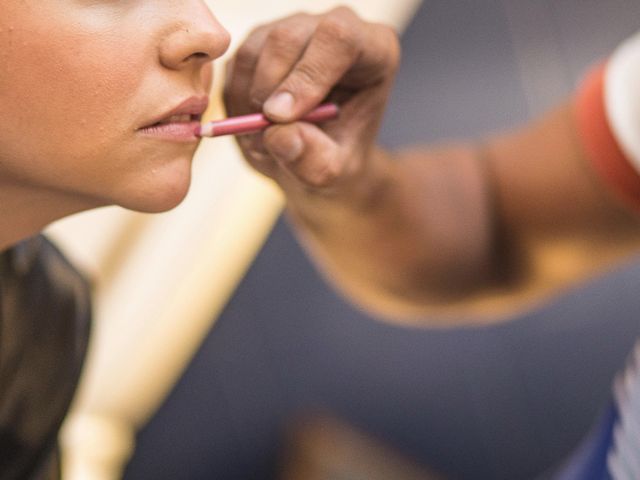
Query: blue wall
point(504, 402)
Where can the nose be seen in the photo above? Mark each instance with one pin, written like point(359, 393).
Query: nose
point(197, 38)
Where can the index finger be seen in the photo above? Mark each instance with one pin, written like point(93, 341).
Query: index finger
point(334, 48)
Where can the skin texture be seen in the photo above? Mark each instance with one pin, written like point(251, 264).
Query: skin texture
point(78, 79)
point(467, 231)
point(460, 229)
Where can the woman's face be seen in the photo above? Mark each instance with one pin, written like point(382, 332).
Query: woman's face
point(79, 82)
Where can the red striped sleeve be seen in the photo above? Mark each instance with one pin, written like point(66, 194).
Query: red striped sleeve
point(600, 144)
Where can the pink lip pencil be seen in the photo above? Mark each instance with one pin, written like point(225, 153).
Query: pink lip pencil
point(257, 121)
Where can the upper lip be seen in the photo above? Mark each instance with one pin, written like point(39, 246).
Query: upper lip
point(194, 106)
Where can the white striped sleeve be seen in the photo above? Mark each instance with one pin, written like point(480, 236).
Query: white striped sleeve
point(622, 98)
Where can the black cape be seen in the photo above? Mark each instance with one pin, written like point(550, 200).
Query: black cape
point(44, 330)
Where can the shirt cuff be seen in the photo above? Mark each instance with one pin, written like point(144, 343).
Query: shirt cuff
point(604, 112)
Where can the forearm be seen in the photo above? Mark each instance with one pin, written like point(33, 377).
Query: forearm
point(478, 230)
point(414, 231)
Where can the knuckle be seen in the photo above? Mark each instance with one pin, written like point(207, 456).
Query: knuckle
point(323, 177)
point(307, 74)
point(392, 41)
point(246, 57)
point(258, 95)
point(338, 29)
point(273, 139)
point(298, 17)
point(254, 151)
point(247, 54)
point(278, 141)
point(287, 37)
point(344, 11)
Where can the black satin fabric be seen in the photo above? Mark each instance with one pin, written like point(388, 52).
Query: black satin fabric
point(44, 330)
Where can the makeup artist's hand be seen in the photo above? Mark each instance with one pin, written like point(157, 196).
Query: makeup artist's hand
point(288, 67)
point(448, 231)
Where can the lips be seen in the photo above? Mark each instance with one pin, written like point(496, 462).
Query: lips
point(179, 123)
point(183, 118)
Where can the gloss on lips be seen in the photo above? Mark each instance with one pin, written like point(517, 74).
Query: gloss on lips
point(175, 128)
point(256, 122)
point(179, 124)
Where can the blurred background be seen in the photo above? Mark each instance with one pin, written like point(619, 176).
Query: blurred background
point(290, 376)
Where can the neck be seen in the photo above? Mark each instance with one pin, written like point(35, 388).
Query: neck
point(24, 212)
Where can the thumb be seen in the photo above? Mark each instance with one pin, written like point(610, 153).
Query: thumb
point(306, 153)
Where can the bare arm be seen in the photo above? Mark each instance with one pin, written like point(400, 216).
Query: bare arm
point(478, 230)
point(469, 229)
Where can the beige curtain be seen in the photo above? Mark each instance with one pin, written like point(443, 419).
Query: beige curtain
point(161, 280)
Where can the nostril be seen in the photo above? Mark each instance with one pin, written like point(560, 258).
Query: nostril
point(199, 56)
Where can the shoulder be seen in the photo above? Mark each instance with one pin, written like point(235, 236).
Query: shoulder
point(45, 318)
point(37, 270)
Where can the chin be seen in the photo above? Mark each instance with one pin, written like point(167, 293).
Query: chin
point(159, 201)
point(162, 191)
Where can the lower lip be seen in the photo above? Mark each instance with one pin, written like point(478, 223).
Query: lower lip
point(174, 132)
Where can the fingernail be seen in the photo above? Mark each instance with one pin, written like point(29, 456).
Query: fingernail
point(258, 155)
point(280, 105)
point(290, 151)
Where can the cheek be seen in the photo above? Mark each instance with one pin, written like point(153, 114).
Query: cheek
point(71, 97)
point(62, 89)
